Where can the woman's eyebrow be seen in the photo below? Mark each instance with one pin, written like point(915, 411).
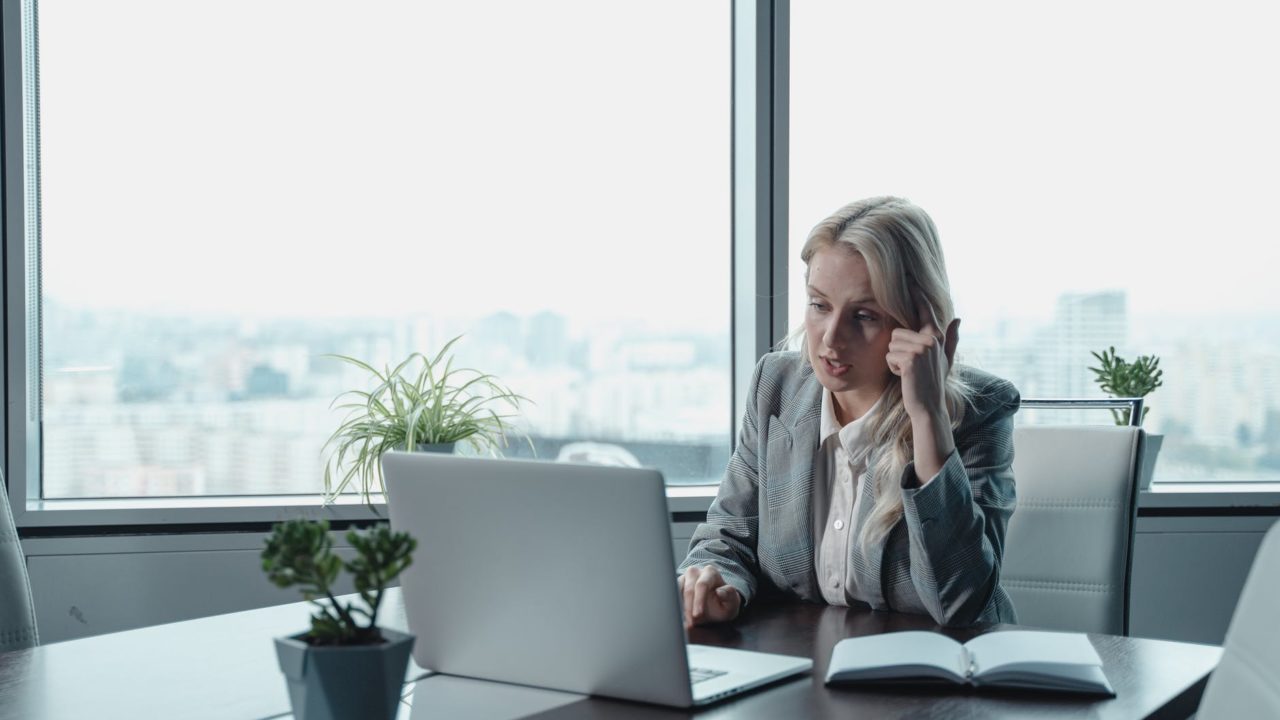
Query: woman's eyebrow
point(860, 301)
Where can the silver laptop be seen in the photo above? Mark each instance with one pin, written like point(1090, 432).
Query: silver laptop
point(555, 575)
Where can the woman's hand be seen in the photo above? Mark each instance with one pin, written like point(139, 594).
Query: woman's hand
point(706, 597)
point(922, 359)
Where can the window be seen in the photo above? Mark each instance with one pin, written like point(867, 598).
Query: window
point(1100, 173)
point(230, 190)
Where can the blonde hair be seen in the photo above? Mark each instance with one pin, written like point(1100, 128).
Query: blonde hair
point(904, 259)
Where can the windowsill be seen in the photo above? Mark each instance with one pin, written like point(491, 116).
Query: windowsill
point(1210, 496)
point(253, 509)
point(247, 510)
point(217, 510)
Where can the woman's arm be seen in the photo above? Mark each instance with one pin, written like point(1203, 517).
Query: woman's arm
point(956, 521)
point(958, 492)
point(727, 539)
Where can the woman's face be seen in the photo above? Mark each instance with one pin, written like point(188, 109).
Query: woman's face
point(846, 332)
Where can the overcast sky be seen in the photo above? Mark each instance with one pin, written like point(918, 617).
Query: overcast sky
point(1074, 147)
point(454, 157)
point(301, 158)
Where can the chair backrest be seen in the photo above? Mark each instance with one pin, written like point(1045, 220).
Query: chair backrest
point(1069, 544)
point(1246, 683)
point(17, 613)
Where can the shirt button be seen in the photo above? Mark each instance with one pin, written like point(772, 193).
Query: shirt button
point(835, 583)
point(839, 524)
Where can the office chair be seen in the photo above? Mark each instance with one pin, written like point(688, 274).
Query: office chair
point(1069, 546)
point(17, 612)
point(1246, 683)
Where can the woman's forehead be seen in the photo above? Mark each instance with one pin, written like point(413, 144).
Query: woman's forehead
point(841, 274)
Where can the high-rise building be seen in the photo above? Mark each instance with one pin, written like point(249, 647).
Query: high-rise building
point(1083, 323)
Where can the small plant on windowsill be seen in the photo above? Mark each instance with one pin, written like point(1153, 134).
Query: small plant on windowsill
point(1120, 378)
point(423, 404)
point(344, 643)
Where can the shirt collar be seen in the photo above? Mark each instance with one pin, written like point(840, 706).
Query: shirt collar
point(849, 434)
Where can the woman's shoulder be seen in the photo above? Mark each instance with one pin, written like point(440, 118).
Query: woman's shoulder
point(784, 367)
point(784, 379)
point(990, 396)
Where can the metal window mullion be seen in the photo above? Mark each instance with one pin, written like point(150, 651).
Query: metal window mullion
point(21, 241)
point(760, 107)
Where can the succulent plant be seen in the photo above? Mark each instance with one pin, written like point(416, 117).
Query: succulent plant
point(300, 552)
point(1119, 378)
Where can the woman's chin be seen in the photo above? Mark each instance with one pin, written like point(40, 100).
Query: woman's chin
point(834, 383)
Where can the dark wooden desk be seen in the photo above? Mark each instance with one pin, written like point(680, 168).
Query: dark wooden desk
point(1152, 678)
point(225, 667)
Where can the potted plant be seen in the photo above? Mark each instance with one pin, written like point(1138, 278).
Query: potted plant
point(345, 666)
point(1119, 378)
point(423, 404)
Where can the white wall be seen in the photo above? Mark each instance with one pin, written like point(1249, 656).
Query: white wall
point(95, 585)
point(1188, 573)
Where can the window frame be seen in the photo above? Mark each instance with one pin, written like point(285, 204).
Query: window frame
point(758, 256)
point(758, 251)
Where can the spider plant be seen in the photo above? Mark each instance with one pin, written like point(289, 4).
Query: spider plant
point(422, 401)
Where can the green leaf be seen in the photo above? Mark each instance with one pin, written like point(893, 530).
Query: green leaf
point(300, 552)
point(421, 400)
point(1120, 378)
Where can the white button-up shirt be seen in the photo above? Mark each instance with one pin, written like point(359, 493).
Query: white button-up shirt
point(843, 459)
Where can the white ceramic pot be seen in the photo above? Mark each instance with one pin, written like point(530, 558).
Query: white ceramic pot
point(1150, 445)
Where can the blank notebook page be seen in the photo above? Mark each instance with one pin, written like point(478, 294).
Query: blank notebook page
point(1030, 647)
point(912, 648)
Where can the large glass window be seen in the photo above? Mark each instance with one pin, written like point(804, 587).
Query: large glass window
point(230, 190)
point(1101, 173)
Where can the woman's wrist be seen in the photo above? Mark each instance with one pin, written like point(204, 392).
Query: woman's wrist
point(932, 443)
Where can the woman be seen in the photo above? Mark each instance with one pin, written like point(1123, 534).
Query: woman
point(868, 469)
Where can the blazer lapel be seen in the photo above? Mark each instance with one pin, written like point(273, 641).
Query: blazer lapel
point(867, 561)
point(802, 418)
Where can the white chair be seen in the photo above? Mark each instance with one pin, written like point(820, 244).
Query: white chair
point(1069, 545)
point(1246, 683)
point(17, 613)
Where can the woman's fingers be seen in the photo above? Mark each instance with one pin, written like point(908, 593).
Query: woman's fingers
point(905, 337)
point(928, 318)
point(708, 580)
point(729, 601)
point(707, 597)
point(952, 340)
point(900, 362)
point(687, 581)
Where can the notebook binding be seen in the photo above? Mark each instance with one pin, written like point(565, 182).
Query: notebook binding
point(969, 664)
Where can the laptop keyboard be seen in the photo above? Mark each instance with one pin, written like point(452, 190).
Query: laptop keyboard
point(697, 675)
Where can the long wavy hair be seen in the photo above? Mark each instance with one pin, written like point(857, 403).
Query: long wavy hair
point(904, 259)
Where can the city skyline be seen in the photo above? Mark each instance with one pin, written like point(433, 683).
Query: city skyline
point(136, 404)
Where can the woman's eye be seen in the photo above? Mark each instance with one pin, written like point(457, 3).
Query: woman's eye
point(817, 306)
point(863, 317)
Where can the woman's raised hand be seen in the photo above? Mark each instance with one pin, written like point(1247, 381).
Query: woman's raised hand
point(706, 597)
point(922, 358)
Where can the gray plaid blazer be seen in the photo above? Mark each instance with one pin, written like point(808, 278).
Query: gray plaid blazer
point(941, 559)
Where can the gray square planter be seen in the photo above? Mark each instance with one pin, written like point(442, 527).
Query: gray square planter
point(335, 683)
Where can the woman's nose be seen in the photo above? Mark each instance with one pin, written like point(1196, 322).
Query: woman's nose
point(833, 335)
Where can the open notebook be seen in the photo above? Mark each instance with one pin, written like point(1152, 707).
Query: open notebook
point(1015, 658)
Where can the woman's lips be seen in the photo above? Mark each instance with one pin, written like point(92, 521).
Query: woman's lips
point(835, 370)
